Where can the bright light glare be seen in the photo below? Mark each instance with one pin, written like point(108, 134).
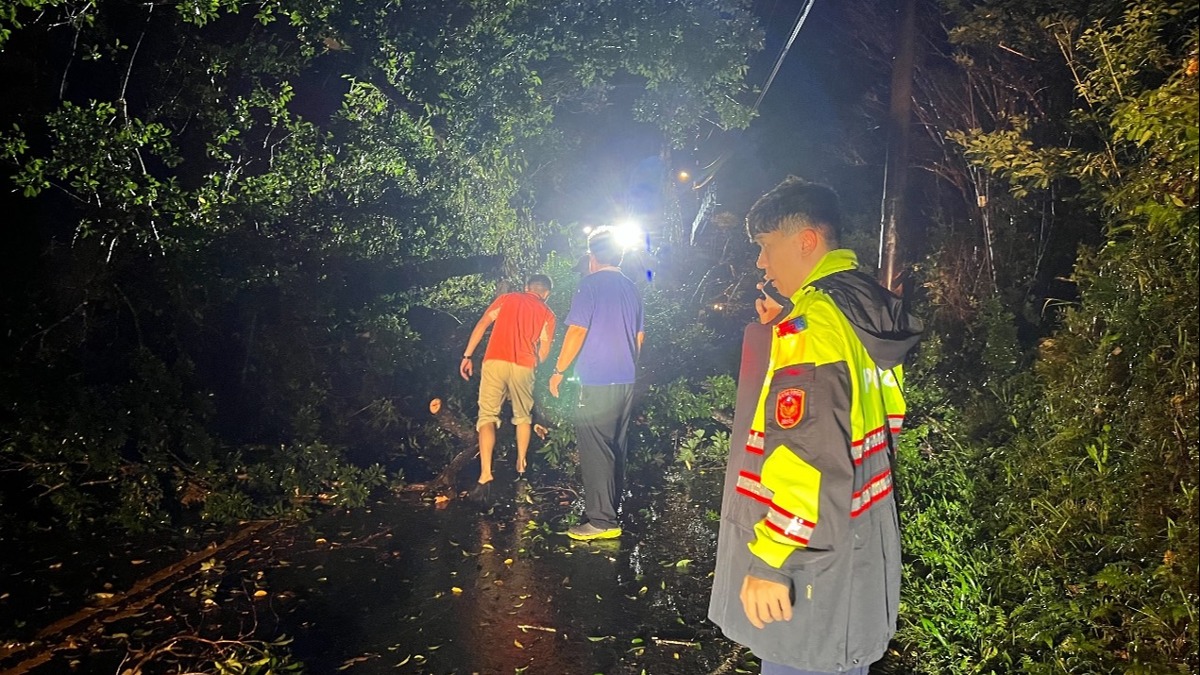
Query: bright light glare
point(629, 235)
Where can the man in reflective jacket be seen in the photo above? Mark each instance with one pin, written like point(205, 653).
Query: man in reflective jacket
point(808, 558)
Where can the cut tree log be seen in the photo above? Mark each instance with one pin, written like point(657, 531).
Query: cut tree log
point(457, 427)
point(723, 418)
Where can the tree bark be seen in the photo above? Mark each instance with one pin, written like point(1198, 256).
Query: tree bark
point(895, 177)
point(459, 428)
point(365, 281)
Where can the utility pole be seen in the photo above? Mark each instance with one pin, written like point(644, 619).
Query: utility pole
point(895, 176)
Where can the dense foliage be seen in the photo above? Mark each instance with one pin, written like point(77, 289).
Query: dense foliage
point(244, 239)
point(1051, 475)
point(247, 231)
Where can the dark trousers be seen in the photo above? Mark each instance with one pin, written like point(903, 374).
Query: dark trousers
point(769, 668)
point(601, 428)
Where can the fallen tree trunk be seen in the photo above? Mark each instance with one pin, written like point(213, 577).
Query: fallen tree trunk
point(459, 429)
point(723, 418)
point(86, 624)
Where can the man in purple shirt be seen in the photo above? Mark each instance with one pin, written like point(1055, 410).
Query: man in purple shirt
point(605, 328)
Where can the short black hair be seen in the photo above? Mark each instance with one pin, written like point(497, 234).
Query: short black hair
point(796, 204)
point(603, 246)
point(539, 283)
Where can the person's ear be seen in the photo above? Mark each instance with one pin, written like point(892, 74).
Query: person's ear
point(809, 240)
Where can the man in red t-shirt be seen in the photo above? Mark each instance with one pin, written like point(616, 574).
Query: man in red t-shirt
point(520, 340)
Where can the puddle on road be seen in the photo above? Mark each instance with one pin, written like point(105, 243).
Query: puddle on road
point(409, 586)
point(412, 588)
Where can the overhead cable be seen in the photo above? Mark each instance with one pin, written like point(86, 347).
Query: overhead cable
point(783, 54)
point(716, 164)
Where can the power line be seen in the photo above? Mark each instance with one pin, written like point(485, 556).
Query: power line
point(783, 54)
point(716, 164)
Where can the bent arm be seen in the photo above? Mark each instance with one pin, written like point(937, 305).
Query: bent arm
point(481, 326)
point(545, 340)
point(572, 343)
point(807, 472)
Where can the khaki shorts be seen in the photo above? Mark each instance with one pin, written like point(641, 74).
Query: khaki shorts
point(499, 380)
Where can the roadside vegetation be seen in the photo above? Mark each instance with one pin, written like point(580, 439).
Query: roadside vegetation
point(240, 237)
point(1050, 468)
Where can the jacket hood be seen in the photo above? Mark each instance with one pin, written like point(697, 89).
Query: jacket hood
point(878, 317)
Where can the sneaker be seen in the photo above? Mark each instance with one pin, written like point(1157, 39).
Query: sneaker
point(481, 493)
point(589, 532)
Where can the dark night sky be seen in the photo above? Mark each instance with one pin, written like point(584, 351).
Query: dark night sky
point(804, 123)
point(806, 118)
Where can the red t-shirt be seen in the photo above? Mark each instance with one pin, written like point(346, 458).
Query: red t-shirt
point(519, 325)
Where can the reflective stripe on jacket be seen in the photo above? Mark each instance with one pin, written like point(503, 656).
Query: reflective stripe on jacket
point(809, 500)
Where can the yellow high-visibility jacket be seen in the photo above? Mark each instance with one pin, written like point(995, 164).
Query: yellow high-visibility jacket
point(809, 500)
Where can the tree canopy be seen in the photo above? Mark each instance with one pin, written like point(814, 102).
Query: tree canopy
point(232, 210)
point(242, 234)
point(1054, 459)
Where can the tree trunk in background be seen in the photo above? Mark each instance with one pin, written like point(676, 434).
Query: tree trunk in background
point(895, 177)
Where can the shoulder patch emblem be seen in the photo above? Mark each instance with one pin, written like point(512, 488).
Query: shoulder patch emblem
point(789, 408)
point(791, 326)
